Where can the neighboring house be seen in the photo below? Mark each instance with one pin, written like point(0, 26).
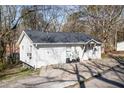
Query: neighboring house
point(120, 46)
point(45, 48)
point(12, 51)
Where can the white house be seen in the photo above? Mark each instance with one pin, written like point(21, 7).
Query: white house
point(45, 48)
point(120, 46)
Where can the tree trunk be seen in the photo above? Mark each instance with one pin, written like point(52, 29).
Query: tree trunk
point(0, 20)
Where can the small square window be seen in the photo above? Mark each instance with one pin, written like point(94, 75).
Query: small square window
point(29, 55)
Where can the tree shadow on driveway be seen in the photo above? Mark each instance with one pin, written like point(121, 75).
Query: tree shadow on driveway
point(99, 75)
point(81, 83)
point(117, 70)
point(81, 78)
point(115, 83)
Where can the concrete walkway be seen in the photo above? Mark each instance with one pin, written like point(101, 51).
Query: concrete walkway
point(63, 75)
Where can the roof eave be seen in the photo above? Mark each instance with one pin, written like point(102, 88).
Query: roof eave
point(94, 41)
point(21, 37)
point(60, 43)
point(69, 42)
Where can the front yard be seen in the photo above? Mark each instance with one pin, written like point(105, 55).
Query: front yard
point(60, 75)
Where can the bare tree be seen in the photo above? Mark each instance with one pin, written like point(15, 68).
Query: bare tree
point(0, 18)
point(103, 21)
point(100, 21)
point(7, 36)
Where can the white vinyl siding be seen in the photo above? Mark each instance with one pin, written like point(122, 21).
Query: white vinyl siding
point(43, 55)
point(120, 46)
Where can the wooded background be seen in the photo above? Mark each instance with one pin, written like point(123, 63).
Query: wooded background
point(103, 22)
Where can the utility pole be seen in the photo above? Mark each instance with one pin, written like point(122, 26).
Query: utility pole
point(0, 18)
point(116, 39)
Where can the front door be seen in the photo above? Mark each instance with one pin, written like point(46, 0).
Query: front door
point(90, 51)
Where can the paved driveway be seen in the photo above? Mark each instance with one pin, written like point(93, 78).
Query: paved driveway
point(111, 79)
point(63, 75)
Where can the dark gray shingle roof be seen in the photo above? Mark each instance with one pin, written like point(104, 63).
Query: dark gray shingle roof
point(57, 37)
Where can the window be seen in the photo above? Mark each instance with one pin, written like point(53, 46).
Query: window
point(90, 46)
point(29, 55)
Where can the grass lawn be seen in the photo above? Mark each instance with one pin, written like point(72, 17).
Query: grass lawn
point(103, 55)
point(2, 66)
point(16, 71)
point(120, 58)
